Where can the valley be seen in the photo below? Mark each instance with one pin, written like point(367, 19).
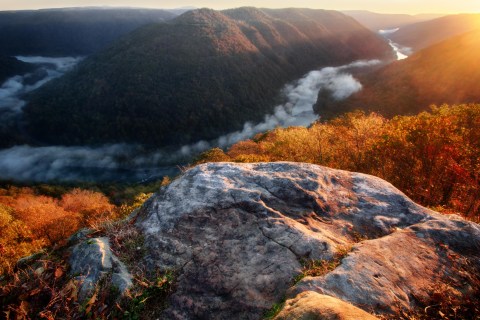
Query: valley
point(64, 157)
point(445, 73)
point(240, 162)
point(125, 160)
point(134, 163)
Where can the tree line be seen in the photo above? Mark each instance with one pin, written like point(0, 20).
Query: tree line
point(433, 157)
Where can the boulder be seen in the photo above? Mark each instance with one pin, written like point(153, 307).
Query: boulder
point(92, 260)
point(394, 272)
point(238, 234)
point(310, 305)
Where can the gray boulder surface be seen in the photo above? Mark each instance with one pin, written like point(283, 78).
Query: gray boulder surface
point(236, 234)
point(93, 259)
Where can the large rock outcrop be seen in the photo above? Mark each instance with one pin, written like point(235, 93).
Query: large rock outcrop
point(237, 235)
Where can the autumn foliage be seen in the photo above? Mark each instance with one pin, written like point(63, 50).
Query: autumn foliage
point(29, 222)
point(433, 157)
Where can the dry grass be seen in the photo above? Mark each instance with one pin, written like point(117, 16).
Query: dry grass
point(318, 268)
point(443, 303)
point(43, 288)
point(456, 298)
point(40, 290)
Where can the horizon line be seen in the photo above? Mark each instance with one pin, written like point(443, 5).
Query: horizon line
point(226, 8)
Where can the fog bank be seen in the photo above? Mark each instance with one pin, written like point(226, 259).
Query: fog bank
point(122, 162)
point(118, 162)
point(12, 90)
point(300, 98)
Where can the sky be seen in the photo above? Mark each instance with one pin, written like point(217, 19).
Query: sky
point(381, 6)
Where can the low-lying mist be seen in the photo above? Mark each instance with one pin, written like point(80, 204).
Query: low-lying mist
point(118, 162)
point(300, 98)
point(122, 162)
point(12, 90)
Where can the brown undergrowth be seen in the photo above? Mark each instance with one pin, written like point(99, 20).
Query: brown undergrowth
point(317, 268)
point(458, 297)
point(43, 288)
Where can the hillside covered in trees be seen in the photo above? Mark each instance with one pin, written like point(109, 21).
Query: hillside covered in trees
point(263, 240)
point(71, 31)
point(421, 35)
point(196, 77)
point(432, 157)
point(448, 72)
point(10, 66)
point(377, 21)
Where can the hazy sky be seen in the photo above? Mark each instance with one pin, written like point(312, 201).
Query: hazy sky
point(386, 6)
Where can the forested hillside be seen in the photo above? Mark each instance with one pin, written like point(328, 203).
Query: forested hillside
point(196, 77)
point(377, 21)
point(424, 34)
point(433, 157)
point(448, 72)
point(9, 67)
point(70, 32)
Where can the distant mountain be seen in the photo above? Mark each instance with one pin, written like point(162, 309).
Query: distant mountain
point(424, 34)
point(10, 66)
point(67, 32)
point(196, 77)
point(448, 72)
point(181, 10)
point(377, 21)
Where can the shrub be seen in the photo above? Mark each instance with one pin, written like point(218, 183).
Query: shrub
point(94, 207)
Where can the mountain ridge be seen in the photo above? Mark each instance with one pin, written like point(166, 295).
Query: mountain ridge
point(424, 34)
point(11, 66)
point(448, 72)
point(377, 21)
point(203, 73)
point(70, 31)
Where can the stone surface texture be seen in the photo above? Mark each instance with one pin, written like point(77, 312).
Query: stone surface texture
point(91, 260)
point(237, 235)
point(310, 305)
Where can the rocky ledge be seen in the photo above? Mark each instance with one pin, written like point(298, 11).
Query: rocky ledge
point(330, 244)
point(240, 234)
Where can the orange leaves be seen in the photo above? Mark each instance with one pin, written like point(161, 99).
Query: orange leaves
point(45, 217)
point(92, 206)
point(41, 290)
point(29, 222)
point(58, 272)
point(55, 220)
point(247, 147)
point(16, 239)
point(215, 154)
point(91, 302)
